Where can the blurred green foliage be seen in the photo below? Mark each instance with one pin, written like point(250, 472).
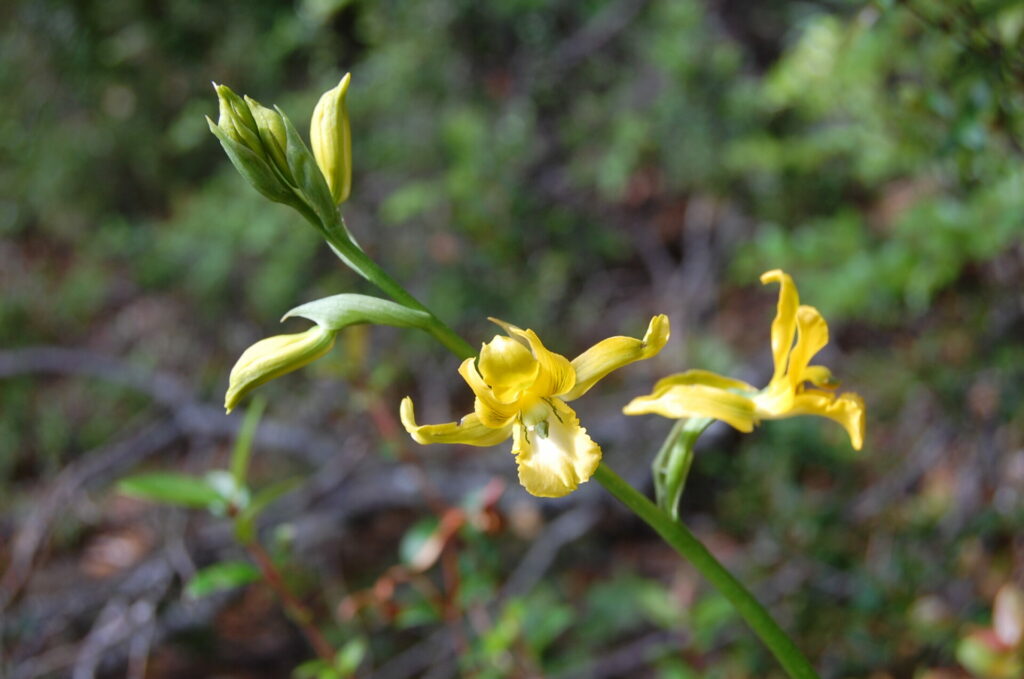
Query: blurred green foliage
point(514, 159)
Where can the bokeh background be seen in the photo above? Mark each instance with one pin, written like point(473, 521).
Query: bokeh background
point(570, 166)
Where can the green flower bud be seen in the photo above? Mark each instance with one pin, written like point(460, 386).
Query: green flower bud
point(331, 139)
point(272, 134)
point(237, 121)
point(275, 356)
point(254, 168)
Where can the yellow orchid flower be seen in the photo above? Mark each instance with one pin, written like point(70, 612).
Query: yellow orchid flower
point(521, 392)
point(698, 393)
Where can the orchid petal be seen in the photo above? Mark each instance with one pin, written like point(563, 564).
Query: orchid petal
point(847, 410)
point(469, 431)
point(615, 352)
point(507, 367)
point(811, 337)
point(491, 411)
point(556, 373)
point(705, 377)
point(697, 400)
point(784, 324)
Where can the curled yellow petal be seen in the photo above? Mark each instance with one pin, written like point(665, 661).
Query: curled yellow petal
point(507, 367)
point(697, 400)
point(615, 352)
point(491, 411)
point(784, 324)
point(811, 337)
point(469, 431)
point(847, 410)
point(555, 456)
point(275, 356)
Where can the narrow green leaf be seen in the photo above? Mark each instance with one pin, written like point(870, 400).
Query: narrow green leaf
point(242, 452)
point(221, 576)
point(340, 311)
point(171, 488)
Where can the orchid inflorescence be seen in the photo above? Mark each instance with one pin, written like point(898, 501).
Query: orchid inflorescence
point(522, 389)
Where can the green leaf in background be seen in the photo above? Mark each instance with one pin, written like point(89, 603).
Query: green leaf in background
point(221, 576)
point(170, 488)
point(350, 656)
point(415, 539)
point(315, 669)
point(340, 311)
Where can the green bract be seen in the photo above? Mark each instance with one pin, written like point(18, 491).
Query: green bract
point(339, 311)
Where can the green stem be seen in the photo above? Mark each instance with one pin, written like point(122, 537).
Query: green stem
point(358, 260)
point(684, 542)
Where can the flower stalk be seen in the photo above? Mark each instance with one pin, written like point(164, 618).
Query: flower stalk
point(353, 257)
point(693, 550)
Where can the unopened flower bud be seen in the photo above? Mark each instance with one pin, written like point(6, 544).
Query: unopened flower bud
point(271, 133)
point(331, 139)
point(275, 356)
point(236, 120)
